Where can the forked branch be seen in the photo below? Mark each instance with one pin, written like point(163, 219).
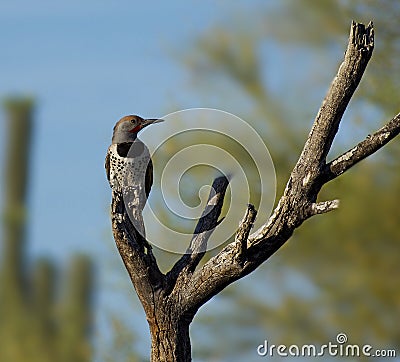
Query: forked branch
point(311, 172)
point(171, 301)
point(364, 149)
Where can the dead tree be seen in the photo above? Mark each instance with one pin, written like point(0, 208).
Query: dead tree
point(171, 300)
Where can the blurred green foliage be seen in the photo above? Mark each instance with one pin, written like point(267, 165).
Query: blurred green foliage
point(43, 316)
point(347, 261)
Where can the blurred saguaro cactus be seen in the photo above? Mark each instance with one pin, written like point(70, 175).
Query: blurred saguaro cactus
point(19, 121)
point(43, 317)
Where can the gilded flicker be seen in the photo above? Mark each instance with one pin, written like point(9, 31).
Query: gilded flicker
point(129, 167)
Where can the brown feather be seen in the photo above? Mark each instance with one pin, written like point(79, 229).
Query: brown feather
point(107, 166)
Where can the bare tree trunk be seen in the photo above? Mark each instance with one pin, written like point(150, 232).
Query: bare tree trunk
point(171, 300)
point(169, 338)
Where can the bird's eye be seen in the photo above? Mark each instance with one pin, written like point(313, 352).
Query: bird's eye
point(132, 121)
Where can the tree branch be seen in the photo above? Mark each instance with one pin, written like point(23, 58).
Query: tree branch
point(204, 228)
point(326, 124)
point(324, 207)
point(305, 181)
point(136, 253)
point(243, 232)
point(364, 149)
point(298, 201)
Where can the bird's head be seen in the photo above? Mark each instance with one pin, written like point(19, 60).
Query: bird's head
point(127, 128)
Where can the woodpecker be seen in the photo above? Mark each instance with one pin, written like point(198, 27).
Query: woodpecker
point(129, 167)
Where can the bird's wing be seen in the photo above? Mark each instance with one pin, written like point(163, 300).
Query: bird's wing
point(148, 178)
point(107, 166)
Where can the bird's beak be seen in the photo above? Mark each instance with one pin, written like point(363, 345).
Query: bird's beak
point(149, 121)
